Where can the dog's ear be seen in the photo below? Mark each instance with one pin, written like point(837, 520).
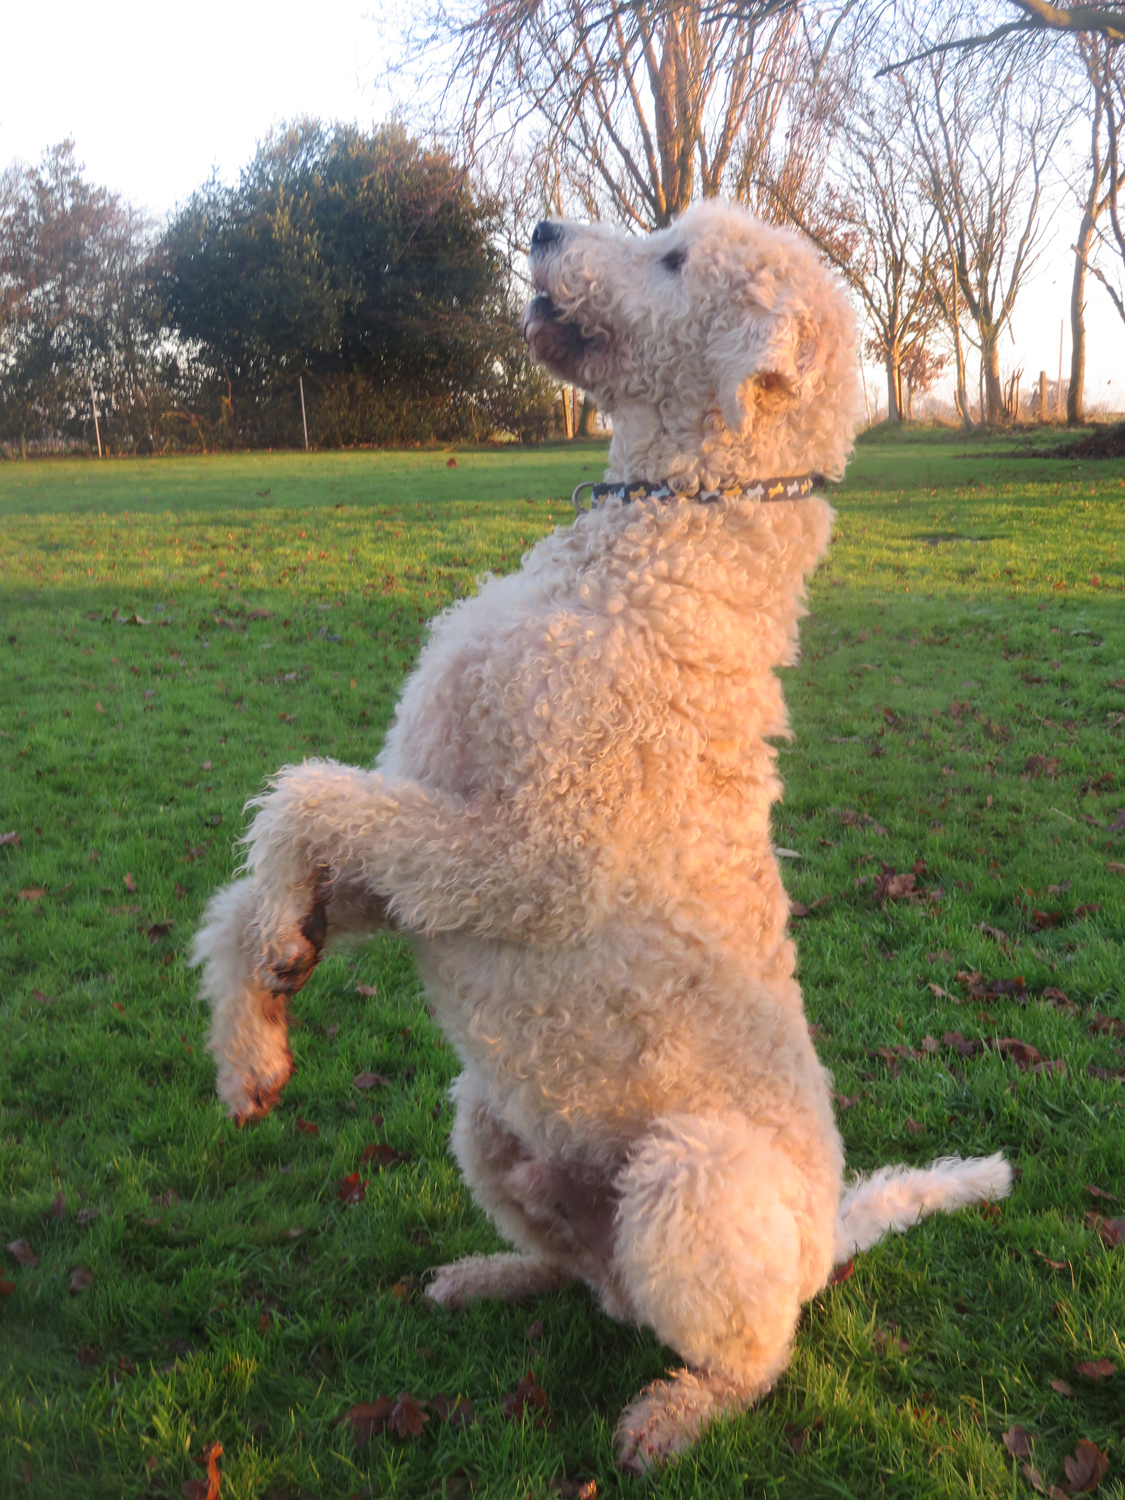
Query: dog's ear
point(778, 348)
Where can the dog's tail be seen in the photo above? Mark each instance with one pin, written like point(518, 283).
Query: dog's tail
point(895, 1198)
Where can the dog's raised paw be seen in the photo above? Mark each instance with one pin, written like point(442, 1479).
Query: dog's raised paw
point(668, 1417)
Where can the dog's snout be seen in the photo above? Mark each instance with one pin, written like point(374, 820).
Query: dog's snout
point(544, 234)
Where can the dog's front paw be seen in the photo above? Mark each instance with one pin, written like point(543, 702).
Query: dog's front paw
point(289, 958)
point(666, 1420)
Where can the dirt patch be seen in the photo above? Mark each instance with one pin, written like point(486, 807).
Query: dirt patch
point(1103, 442)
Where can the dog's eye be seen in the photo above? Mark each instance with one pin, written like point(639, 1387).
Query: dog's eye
point(673, 260)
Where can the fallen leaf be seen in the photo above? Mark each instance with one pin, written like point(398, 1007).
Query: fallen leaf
point(407, 1417)
point(366, 1081)
point(846, 1101)
point(1086, 1469)
point(796, 1437)
point(206, 1489)
point(89, 1356)
point(1096, 1369)
point(1099, 1025)
point(942, 955)
point(80, 1278)
point(842, 1273)
point(1055, 1265)
point(157, 931)
point(575, 1489)
point(402, 1289)
point(14, 838)
point(1061, 1387)
point(939, 992)
point(888, 1338)
point(1107, 1075)
point(1023, 1054)
point(21, 1251)
point(997, 934)
point(915, 1128)
point(528, 1397)
point(962, 1045)
point(130, 884)
point(308, 1127)
point(1018, 1442)
point(180, 892)
point(383, 1155)
point(168, 1198)
point(85, 1216)
point(1088, 909)
point(1041, 765)
point(351, 1189)
point(42, 998)
point(1111, 1232)
point(57, 1210)
point(1034, 1478)
point(1097, 1192)
point(457, 1413)
point(1114, 866)
point(6, 1287)
point(31, 893)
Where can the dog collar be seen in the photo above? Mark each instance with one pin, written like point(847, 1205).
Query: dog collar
point(789, 487)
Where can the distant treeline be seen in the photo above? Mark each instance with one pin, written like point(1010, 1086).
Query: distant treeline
point(362, 264)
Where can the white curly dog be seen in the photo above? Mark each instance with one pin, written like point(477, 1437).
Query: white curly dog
point(570, 820)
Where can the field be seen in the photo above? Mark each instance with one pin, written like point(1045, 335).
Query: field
point(172, 631)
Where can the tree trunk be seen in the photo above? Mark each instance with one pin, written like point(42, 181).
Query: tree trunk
point(961, 395)
point(894, 388)
point(1075, 395)
point(589, 412)
point(990, 367)
point(23, 442)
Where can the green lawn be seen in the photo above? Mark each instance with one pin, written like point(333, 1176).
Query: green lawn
point(172, 631)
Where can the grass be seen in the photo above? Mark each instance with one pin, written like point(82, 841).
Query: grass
point(969, 618)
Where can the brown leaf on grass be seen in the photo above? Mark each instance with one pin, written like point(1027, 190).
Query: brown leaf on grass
point(842, 1273)
point(1061, 1387)
point(528, 1396)
point(1019, 1441)
point(57, 1210)
point(962, 1045)
point(1041, 765)
point(928, 1046)
point(209, 1488)
point(308, 1127)
point(80, 1278)
point(796, 1436)
point(157, 931)
point(1058, 999)
point(993, 989)
point(886, 1339)
point(366, 1081)
point(21, 1251)
point(10, 838)
point(6, 1287)
point(168, 1198)
point(575, 1489)
point(1107, 1075)
point(130, 884)
point(88, 1356)
point(799, 909)
point(890, 886)
point(1043, 919)
point(123, 911)
point(180, 892)
point(1111, 1232)
point(31, 893)
point(457, 1413)
point(368, 991)
point(1099, 1025)
point(1086, 1468)
point(1035, 1480)
point(1114, 866)
point(942, 955)
point(1023, 1054)
point(1096, 1369)
point(851, 819)
point(1088, 909)
point(407, 1417)
point(1099, 1192)
point(383, 1155)
point(42, 998)
point(846, 1101)
point(914, 1128)
point(351, 1189)
point(368, 1419)
point(1055, 1265)
point(997, 934)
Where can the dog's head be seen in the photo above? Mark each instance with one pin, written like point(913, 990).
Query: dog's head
point(720, 345)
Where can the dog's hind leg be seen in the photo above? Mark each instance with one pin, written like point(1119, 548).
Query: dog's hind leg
point(531, 1203)
point(721, 1235)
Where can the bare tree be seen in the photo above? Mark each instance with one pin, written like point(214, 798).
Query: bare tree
point(985, 128)
point(872, 223)
point(1105, 67)
point(633, 108)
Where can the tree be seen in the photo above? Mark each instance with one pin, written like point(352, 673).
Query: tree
point(878, 230)
point(363, 264)
point(985, 130)
point(1105, 68)
point(634, 107)
point(72, 259)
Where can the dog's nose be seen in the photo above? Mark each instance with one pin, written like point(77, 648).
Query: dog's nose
point(545, 233)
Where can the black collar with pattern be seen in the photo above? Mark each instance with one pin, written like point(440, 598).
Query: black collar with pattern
point(788, 487)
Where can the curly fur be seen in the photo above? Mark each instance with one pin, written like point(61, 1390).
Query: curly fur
point(570, 818)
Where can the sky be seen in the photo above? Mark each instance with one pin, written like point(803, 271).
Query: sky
point(156, 97)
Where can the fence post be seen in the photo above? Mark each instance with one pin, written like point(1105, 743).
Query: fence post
point(94, 409)
point(1042, 395)
point(1058, 392)
point(304, 423)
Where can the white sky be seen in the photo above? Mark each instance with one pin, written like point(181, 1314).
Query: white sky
point(155, 96)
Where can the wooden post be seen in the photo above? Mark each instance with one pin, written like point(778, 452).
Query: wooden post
point(304, 423)
point(94, 409)
point(1042, 395)
point(866, 403)
point(1058, 392)
point(574, 410)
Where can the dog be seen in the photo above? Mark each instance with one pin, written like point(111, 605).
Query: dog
point(570, 821)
